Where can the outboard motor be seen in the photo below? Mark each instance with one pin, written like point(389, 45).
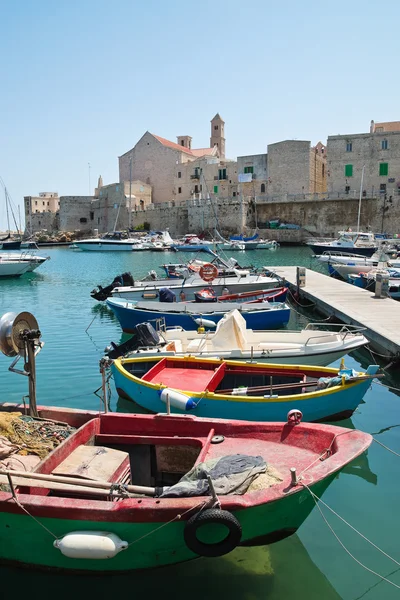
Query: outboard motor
point(144, 335)
point(102, 293)
point(166, 295)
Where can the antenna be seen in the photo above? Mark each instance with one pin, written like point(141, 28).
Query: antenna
point(20, 337)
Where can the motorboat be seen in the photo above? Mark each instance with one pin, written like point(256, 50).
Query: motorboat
point(232, 340)
point(113, 241)
point(348, 241)
point(268, 315)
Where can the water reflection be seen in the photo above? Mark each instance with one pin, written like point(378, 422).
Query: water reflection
point(244, 574)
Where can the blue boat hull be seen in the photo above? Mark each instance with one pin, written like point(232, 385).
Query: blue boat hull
point(320, 248)
point(129, 317)
point(317, 407)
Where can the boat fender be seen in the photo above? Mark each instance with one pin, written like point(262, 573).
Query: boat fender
point(209, 517)
point(205, 322)
point(177, 399)
point(294, 416)
point(93, 545)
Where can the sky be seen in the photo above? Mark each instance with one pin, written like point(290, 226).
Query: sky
point(82, 80)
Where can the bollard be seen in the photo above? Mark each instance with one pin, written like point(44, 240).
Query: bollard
point(300, 277)
point(381, 285)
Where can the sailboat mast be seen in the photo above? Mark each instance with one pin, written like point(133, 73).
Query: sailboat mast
point(7, 213)
point(359, 202)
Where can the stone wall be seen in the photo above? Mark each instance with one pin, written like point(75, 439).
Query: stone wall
point(76, 213)
point(42, 220)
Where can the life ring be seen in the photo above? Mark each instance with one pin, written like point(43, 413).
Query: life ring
point(208, 272)
point(208, 517)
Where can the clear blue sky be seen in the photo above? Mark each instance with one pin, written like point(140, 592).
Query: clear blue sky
point(82, 80)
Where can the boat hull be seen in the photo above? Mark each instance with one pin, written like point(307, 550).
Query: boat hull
point(363, 251)
point(25, 543)
point(103, 246)
point(130, 317)
point(334, 403)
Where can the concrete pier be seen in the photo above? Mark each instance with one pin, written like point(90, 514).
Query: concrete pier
point(352, 305)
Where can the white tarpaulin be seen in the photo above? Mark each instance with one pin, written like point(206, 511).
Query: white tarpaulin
point(245, 177)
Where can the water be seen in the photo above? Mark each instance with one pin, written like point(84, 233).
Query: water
point(310, 565)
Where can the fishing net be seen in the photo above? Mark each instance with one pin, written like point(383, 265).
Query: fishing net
point(33, 436)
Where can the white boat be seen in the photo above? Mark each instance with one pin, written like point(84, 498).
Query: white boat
point(13, 268)
point(33, 260)
point(113, 241)
point(348, 241)
point(234, 246)
point(232, 340)
point(337, 257)
point(267, 245)
point(185, 289)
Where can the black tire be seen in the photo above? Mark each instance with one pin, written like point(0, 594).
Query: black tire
point(206, 517)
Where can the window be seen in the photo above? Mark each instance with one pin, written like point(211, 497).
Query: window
point(48, 204)
point(196, 189)
point(182, 142)
point(215, 127)
point(179, 190)
point(91, 216)
point(384, 145)
point(44, 203)
point(196, 173)
point(39, 222)
point(249, 169)
point(221, 173)
point(234, 193)
point(348, 171)
point(179, 174)
point(349, 147)
point(323, 170)
point(383, 169)
point(35, 202)
point(347, 189)
point(117, 188)
point(263, 188)
point(215, 189)
point(382, 188)
point(83, 220)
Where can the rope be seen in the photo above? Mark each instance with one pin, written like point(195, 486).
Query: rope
point(176, 518)
point(297, 302)
point(315, 498)
point(386, 448)
point(34, 518)
point(326, 452)
point(389, 387)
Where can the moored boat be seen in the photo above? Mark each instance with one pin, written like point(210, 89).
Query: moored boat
point(119, 492)
point(190, 316)
point(233, 341)
point(235, 390)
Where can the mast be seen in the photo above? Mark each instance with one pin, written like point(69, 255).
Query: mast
point(359, 202)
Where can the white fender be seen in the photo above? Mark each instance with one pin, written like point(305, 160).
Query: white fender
point(177, 399)
point(205, 322)
point(95, 545)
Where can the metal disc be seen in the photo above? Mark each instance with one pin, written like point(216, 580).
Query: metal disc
point(217, 439)
point(11, 325)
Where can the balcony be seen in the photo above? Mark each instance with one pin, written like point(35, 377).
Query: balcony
point(196, 175)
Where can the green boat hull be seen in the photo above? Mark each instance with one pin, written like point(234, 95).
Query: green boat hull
point(23, 541)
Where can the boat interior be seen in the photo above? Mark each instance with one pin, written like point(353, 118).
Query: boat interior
point(224, 378)
point(158, 450)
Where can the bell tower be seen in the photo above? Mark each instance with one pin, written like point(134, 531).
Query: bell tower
point(218, 135)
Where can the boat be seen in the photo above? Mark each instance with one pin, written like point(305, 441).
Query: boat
point(13, 267)
point(357, 259)
point(192, 315)
point(233, 341)
point(105, 497)
point(33, 260)
point(112, 241)
point(367, 280)
point(218, 388)
point(272, 295)
point(192, 243)
point(237, 282)
point(348, 241)
point(232, 246)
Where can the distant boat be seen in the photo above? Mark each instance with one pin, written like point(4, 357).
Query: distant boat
point(353, 242)
point(33, 261)
point(114, 241)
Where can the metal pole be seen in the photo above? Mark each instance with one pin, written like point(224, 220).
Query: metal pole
point(31, 364)
point(130, 191)
point(89, 179)
point(104, 388)
point(359, 202)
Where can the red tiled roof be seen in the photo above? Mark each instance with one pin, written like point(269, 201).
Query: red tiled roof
point(203, 152)
point(172, 145)
point(196, 153)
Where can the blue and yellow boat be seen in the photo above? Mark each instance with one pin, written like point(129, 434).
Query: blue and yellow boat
point(240, 390)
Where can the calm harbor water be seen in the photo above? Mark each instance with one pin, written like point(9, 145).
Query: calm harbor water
point(310, 565)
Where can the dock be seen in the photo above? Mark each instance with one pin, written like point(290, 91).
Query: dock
point(352, 305)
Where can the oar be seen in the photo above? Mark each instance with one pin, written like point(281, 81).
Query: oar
point(103, 485)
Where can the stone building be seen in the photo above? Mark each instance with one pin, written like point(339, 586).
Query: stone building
point(291, 167)
point(41, 212)
point(114, 206)
point(155, 160)
point(205, 177)
point(371, 158)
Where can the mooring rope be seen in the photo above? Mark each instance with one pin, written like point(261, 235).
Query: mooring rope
point(315, 498)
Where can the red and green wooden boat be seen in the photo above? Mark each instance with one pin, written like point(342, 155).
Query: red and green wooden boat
point(93, 503)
